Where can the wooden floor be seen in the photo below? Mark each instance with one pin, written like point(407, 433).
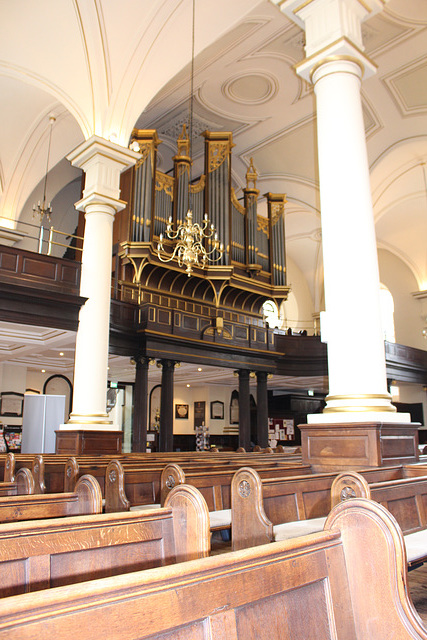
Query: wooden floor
point(417, 578)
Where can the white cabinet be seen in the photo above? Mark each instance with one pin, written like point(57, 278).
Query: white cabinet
point(42, 416)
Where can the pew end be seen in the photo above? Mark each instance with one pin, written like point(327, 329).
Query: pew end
point(247, 511)
point(115, 495)
point(379, 586)
point(24, 480)
point(71, 474)
point(172, 475)
point(89, 495)
point(191, 522)
point(37, 470)
point(9, 468)
point(349, 484)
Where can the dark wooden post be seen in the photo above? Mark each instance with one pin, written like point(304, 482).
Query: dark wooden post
point(166, 406)
point(140, 405)
point(262, 409)
point(244, 410)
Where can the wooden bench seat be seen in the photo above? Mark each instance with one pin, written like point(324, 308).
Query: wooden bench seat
point(84, 500)
point(316, 587)
point(41, 554)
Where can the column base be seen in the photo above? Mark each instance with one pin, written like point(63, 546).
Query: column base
point(86, 441)
point(358, 417)
point(346, 445)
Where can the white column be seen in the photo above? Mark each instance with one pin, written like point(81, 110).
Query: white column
point(336, 65)
point(102, 162)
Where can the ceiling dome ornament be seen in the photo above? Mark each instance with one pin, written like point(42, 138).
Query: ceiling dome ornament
point(251, 88)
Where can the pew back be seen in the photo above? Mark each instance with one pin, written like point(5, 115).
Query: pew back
point(41, 554)
point(85, 499)
point(406, 499)
point(128, 486)
point(258, 504)
point(23, 484)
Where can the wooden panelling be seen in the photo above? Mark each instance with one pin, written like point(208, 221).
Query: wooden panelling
point(39, 271)
point(84, 441)
point(356, 445)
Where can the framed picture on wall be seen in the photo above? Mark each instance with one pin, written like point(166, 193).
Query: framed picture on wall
point(11, 403)
point(199, 413)
point(181, 411)
point(217, 410)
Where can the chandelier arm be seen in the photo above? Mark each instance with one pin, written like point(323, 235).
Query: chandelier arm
point(173, 255)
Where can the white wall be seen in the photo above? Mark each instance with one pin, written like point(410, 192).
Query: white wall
point(208, 394)
point(299, 309)
point(185, 395)
point(408, 316)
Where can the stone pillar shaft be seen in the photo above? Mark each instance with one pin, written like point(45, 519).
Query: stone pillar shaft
point(351, 325)
point(353, 318)
point(166, 406)
point(140, 405)
point(262, 409)
point(244, 410)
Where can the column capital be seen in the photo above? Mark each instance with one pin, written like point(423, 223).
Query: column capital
point(326, 21)
point(341, 56)
point(332, 28)
point(262, 375)
point(143, 361)
point(102, 161)
point(96, 146)
point(165, 363)
point(242, 373)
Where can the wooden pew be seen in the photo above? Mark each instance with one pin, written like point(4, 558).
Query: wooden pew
point(313, 588)
point(405, 499)
point(49, 475)
point(74, 469)
point(41, 554)
point(267, 509)
point(126, 487)
point(11, 473)
point(23, 484)
point(85, 499)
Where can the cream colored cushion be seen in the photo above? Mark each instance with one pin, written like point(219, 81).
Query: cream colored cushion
point(220, 519)
point(298, 528)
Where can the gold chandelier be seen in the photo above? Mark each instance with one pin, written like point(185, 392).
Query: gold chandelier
point(191, 238)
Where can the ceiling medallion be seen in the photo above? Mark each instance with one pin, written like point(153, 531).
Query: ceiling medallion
point(252, 88)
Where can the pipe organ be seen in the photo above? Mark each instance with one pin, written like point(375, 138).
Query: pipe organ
point(252, 267)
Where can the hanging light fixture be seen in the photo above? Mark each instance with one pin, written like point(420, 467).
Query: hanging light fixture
point(189, 249)
point(191, 238)
point(42, 209)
